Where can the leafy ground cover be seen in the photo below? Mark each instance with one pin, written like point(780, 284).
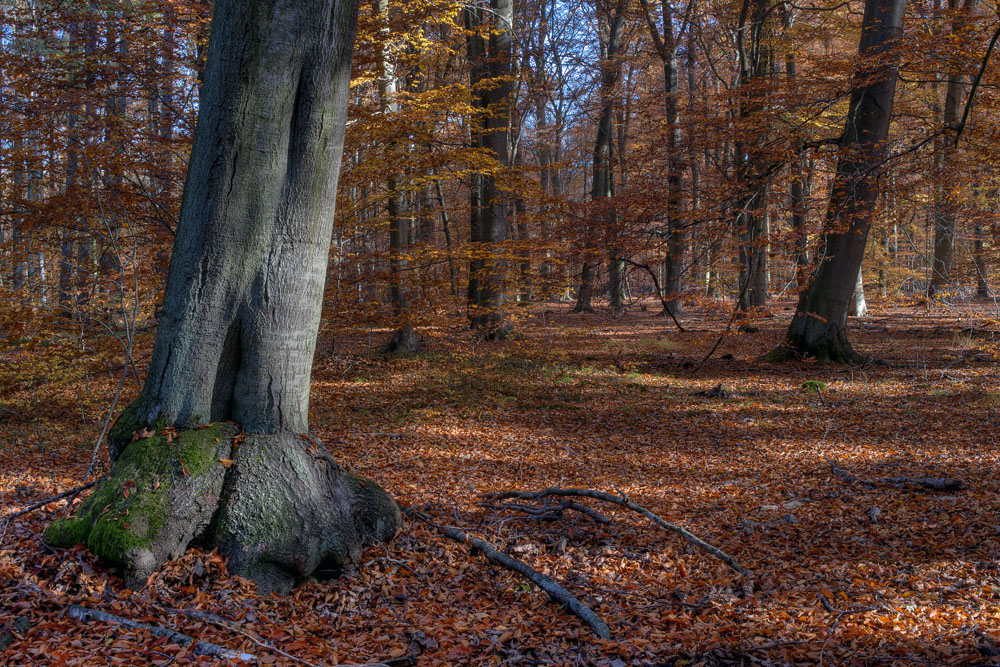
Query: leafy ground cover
point(849, 568)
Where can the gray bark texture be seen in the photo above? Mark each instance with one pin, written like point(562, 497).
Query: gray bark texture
point(753, 166)
point(240, 316)
point(819, 327)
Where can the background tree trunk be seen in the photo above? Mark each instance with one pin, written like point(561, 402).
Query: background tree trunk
point(818, 327)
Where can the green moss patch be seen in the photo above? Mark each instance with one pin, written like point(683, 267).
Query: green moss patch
point(130, 507)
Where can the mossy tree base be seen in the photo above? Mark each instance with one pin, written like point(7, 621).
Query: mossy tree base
point(277, 505)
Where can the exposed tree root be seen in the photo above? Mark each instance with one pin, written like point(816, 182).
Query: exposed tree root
point(555, 591)
point(277, 505)
point(624, 501)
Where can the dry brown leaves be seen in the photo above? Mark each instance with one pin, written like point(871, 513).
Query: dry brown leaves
point(845, 574)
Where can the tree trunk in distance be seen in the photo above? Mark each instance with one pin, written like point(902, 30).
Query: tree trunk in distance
point(612, 33)
point(216, 452)
point(487, 296)
point(945, 210)
point(818, 328)
point(403, 339)
point(858, 307)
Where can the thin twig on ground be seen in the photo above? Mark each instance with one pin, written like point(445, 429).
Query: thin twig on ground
point(199, 647)
point(555, 590)
point(624, 501)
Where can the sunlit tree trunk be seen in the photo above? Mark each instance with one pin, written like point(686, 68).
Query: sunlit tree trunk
point(216, 451)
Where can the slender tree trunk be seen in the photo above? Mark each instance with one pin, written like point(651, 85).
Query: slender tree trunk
point(666, 46)
point(753, 54)
point(979, 259)
point(858, 307)
point(819, 327)
point(492, 134)
point(611, 34)
point(216, 450)
point(945, 209)
point(403, 339)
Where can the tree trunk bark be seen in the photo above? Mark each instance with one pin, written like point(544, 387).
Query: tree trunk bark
point(403, 339)
point(612, 22)
point(492, 133)
point(945, 210)
point(215, 451)
point(818, 328)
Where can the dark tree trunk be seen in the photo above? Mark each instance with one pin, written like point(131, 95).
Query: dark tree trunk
point(666, 46)
point(612, 23)
point(945, 209)
point(818, 328)
point(230, 372)
point(489, 223)
point(403, 339)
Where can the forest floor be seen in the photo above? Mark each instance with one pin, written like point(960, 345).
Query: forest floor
point(845, 571)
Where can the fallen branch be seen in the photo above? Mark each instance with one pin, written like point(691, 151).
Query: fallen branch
point(555, 590)
point(916, 483)
point(624, 501)
point(42, 503)
point(234, 627)
point(87, 615)
point(552, 511)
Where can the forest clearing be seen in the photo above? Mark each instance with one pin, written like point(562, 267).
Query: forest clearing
point(843, 572)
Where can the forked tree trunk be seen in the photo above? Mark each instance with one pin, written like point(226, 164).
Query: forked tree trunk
point(666, 47)
point(818, 328)
point(216, 450)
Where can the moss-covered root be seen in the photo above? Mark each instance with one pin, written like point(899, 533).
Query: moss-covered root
point(160, 495)
point(289, 512)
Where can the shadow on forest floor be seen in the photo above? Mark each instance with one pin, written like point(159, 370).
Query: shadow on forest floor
point(844, 573)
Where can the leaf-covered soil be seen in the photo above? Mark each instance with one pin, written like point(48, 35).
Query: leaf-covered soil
point(846, 572)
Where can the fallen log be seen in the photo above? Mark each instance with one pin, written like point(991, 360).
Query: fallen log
point(624, 501)
point(551, 512)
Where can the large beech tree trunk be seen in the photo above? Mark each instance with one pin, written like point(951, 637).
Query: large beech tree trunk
point(819, 327)
point(216, 450)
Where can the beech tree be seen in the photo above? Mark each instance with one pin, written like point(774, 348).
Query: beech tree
point(819, 326)
point(216, 450)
